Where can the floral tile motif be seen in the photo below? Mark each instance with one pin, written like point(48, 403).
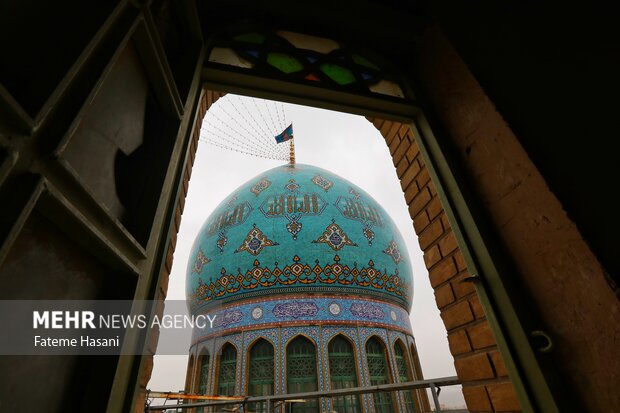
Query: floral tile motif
point(335, 237)
point(322, 182)
point(393, 251)
point(260, 186)
point(201, 261)
point(222, 240)
point(255, 242)
point(369, 234)
point(294, 226)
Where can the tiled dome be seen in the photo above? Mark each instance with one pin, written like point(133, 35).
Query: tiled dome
point(298, 229)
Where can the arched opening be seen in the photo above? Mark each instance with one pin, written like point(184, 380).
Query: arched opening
point(379, 373)
point(162, 46)
point(210, 160)
point(201, 375)
point(301, 372)
point(404, 374)
point(343, 374)
point(261, 375)
point(227, 371)
point(203, 371)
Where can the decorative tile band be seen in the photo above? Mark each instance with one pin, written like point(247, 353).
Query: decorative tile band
point(308, 277)
point(304, 310)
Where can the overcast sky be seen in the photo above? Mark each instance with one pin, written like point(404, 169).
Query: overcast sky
point(347, 145)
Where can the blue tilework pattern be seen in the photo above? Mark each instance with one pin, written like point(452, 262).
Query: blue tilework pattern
point(298, 229)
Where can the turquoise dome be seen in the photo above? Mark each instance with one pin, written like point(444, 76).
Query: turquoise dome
point(298, 229)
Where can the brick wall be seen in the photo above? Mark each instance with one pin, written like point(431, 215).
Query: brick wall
point(478, 364)
point(559, 277)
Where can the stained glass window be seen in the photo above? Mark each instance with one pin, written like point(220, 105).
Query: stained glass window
point(261, 376)
point(305, 59)
point(301, 373)
point(227, 371)
point(343, 374)
point(284, 62)
point(338, 73)
point(379, 374)
point(404, 374)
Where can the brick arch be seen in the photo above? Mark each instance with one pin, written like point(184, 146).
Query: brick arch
point(479, 366)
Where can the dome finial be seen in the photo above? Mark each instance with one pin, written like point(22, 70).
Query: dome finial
point(287, 135)
point(292, 154)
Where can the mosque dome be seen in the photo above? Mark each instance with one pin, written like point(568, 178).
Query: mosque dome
point(298, 229)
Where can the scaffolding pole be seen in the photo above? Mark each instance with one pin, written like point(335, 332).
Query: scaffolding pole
point(433, 384)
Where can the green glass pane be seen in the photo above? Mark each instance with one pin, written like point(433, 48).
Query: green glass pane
point(301, 373)
point(284, 62)
point(338, 74)
point(364, 62)
point(404, 375)
point(228, 370)
point(342, 372)
point(378, 372)
point(250, 38)
point(262, 373)
point(204, 374)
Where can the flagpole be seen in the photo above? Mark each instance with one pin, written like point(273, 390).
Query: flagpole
point(292, 153)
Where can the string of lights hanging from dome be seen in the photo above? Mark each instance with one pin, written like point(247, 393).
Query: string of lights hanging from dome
point(249, 126)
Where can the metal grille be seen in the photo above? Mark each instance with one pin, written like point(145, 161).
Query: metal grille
point(261, 370)
point(204, 376)
point(228, 371)
point(204, 373)
point(343, 375)
point(404, 375)
point(261, 373)
point(378, 372)
point(301, 373)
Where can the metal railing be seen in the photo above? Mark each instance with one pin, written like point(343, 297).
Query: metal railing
point(275, 401)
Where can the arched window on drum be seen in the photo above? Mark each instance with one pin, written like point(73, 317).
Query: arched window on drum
point(261, 373)
point(301, 366)
point(343, 374)
point(227, 371)
point(404, 374)
point(378, 370)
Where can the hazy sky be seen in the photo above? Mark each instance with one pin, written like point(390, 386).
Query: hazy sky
point(347, 145)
